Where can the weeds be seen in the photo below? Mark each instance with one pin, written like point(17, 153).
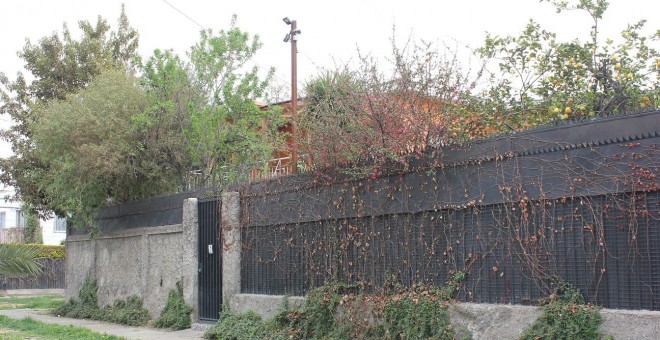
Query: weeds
point(83, 308)
point(245, 326)
point(176, 314)
point(127, 312)
point(340, 311)
point(566, 316)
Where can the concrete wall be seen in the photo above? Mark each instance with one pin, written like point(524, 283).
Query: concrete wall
point(140, 261)
point(148, 261)
point(488, 321)
point(485, 321)
point(231, 246)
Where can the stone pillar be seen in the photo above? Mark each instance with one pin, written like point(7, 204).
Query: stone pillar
point(231, 246)
point(190, 266)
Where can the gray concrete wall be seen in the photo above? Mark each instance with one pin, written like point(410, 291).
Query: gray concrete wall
point(265, 305)
point(190, 251)
point(80, 263)
point(146, 262)
point(485, 321)
point(231, 246)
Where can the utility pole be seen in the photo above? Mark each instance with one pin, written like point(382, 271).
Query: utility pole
point(293, 36)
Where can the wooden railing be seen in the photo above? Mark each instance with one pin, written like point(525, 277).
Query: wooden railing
point(11, 235)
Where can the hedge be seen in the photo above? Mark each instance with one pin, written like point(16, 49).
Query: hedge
point(48, 251)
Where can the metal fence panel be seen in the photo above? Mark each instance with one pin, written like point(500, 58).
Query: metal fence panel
point(210, 261)
point(51, 277)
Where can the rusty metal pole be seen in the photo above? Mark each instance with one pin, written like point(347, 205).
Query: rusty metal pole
point(294, 95)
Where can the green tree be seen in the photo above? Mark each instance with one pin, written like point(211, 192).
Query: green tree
point(59, 65)
point(211, 100)
point(542, 79)
point(226, 126)
point(90, 133)
point(168, 87)
point(105, 162)
point(18, 260)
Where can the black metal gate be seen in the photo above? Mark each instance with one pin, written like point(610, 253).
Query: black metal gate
point(210, 260)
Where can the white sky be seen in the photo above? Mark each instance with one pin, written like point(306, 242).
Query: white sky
point(331, 30)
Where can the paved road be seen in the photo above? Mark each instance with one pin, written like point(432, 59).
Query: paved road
point(140, 333)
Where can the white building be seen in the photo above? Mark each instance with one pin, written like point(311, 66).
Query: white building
point(11, 213)
point(12, 221)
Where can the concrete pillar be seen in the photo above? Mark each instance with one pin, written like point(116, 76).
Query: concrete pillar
point(231, 246)
point(189, 252)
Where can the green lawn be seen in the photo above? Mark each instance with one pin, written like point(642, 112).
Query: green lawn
point(46, 301)
point(11, 329)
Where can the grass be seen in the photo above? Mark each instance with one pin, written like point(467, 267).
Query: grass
point(11, 329)
point(36, 302)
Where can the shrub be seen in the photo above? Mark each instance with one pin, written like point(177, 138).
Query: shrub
point(127, 312)
point(418, 312)
point(566, 316)
point(83, 308)
point(318, 313)
point(176, 314)
point(32, 228)
point(46, 251)
point(417, 317)
point(245, 326)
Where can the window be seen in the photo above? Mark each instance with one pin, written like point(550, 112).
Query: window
point(3, 217)
point(20, 219)
point(60, 225)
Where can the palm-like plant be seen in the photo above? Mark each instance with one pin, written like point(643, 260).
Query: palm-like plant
point(18, 260)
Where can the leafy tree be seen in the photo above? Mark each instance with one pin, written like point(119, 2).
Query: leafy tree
point(18, 260)
point(164, 121)
point(541, 79)
point(141, 136)
point(104, 162)
point(226, 126)
point(211, 99)
point(59, 65)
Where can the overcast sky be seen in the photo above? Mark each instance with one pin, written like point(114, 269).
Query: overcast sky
point(331, 30)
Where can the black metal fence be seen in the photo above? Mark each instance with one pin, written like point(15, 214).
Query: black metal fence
point(581, 203)
point(51, 277)
point(210, 261)
point(611, 255)
point(151, 212)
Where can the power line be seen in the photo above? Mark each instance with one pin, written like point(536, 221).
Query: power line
point(311, 61)
point(185, 15)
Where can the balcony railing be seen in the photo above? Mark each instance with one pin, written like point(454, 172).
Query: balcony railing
point(11, 235)
point(248, 172)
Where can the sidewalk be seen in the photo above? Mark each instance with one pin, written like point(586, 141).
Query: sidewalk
point(140, 333)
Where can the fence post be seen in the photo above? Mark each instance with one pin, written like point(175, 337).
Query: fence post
point(231, 246)
point(189, 251)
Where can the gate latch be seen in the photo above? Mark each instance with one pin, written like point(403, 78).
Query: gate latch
point(210, 249)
